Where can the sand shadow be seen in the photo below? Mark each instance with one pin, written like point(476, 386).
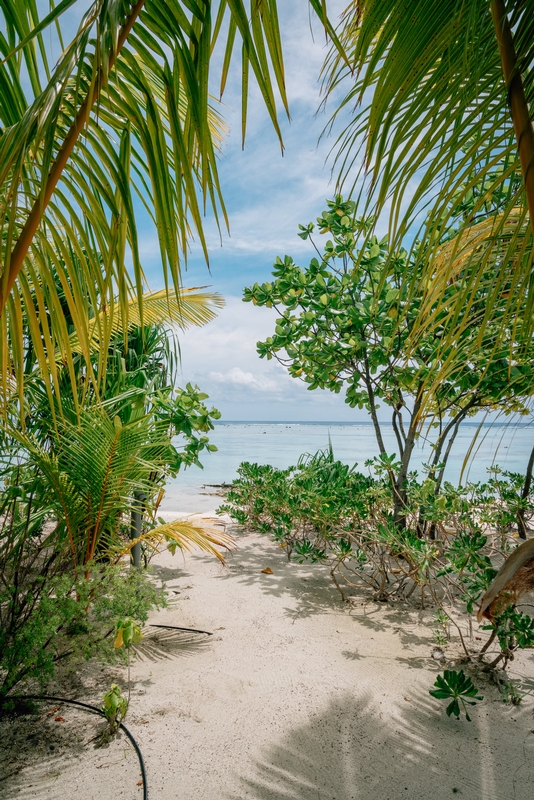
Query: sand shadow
point(310, 585)
point(354, 751)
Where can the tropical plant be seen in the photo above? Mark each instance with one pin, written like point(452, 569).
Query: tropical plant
point(325, 512)
point(96, 123)
point(67, 491)
point(114, 706)
point(345, 321)
point(438, 91)
point(460, 688)
point(93, 467)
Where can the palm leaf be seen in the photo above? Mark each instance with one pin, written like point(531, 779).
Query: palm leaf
point(192, 307)
point(186, 536)
point(432, 119)
point(123, 117)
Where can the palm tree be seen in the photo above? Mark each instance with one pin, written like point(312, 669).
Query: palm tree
point(122, 118)
point(444, 95)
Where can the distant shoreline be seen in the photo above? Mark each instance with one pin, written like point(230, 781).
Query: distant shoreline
point(221, 422)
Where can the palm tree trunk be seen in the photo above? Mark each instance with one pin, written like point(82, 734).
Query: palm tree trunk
point(36, 214)
point(519, 110)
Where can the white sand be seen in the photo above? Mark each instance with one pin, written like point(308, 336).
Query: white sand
point(297, 696)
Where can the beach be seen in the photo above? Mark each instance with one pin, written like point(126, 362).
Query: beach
point(294, 696)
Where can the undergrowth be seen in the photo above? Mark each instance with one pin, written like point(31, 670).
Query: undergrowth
point(446, 550)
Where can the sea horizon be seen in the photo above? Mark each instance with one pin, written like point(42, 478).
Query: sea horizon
point(282, 442)
point(357, 422)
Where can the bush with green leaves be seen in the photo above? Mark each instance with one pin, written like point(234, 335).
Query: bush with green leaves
point(67, 491)
point(345, 323)
point(323, 511)
point(49, 613)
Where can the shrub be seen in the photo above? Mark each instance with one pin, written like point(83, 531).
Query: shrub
point(326, 512)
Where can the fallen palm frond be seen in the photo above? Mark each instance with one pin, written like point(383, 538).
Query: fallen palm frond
point(515, 578)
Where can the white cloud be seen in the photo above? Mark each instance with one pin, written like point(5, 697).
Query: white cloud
point(221, 358)
point(238, 377)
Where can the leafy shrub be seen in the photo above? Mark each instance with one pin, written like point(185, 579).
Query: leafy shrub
point(324, 511)
point(47, 617)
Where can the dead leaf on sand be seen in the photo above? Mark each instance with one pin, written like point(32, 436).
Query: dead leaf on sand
point(59, 719)
point(268, 571)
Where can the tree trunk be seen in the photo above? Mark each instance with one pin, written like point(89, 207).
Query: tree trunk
point(399, 489)
point(521, 524)
point(372, 407)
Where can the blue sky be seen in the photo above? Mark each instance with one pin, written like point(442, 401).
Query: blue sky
point(267, 195)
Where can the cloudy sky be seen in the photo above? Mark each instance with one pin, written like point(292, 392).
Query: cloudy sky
point(267, 195)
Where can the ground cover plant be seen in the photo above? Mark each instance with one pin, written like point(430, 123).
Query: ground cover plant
point(326, 512)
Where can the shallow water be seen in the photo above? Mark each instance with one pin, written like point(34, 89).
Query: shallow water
point(281, 444)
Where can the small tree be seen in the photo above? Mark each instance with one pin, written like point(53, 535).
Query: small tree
point(345, 321)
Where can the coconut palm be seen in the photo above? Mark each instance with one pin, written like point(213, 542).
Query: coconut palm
point(444, 95)
point(116, 115)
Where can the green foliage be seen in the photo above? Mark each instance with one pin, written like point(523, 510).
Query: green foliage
point(128, 633)
point(459, 687)
point(324, 511)
point(53, 614)
point(114, 706)
point(513, 629)
point(440, 636)
point(69, 482)
point(433, 128)
point(346, 322)
point(510, 694)
point(137, 77)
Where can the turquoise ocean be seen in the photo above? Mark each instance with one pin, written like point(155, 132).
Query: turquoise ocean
point(282, 443)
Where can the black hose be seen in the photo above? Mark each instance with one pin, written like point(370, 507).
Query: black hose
point(176, 628)
point(96, 710)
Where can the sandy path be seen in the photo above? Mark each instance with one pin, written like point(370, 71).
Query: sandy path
point(299, 697)
point(296, 696)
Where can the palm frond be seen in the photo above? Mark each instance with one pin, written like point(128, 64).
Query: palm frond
point(430, 87)
point(190, 307)
point(187, 537)
point(124, 118)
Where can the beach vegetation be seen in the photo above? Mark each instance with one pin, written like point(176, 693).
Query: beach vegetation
point(345, 323)
point(325, 512)
point(72, 475)
point(106, 113)
point(441, 104)
point(459, 689)
point(114, 706)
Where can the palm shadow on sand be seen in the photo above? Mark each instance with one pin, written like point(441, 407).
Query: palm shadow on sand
point(353, 751)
